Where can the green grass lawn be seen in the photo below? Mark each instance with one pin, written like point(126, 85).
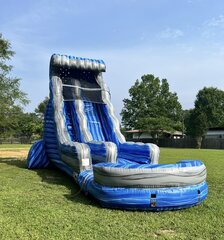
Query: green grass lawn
point(46, 204)
point(14, 146)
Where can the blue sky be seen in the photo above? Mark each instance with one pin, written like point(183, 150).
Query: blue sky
point(181, 40)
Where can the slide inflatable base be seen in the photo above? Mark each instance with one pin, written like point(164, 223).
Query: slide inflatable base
point(143, 199)
point(146, 199)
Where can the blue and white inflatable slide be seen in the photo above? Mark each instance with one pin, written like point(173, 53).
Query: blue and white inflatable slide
point(82, 138)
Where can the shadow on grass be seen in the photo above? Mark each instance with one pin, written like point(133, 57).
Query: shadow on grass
point(13, 161)
point(53, 175)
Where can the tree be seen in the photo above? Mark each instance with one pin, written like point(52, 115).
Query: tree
point(10, 93)
point(208, 112)
point(30, 126)
point(152, 106)
point(39, 113)
point(10, 121)
point(41, 108)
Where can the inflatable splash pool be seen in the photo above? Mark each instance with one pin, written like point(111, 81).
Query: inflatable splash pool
point(82, 138)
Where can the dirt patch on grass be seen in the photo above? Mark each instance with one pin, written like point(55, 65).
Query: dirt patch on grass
point(165, 232)
point(13, 153)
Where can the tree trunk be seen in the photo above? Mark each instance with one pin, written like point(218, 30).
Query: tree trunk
point(198, 142)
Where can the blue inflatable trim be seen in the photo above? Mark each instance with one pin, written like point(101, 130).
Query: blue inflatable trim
point(37, 156)
point(147, 199)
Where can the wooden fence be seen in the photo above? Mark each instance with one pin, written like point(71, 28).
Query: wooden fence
point(209, 143)
point(21, 140)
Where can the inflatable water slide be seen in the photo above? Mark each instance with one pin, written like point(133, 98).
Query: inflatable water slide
point(82, 137)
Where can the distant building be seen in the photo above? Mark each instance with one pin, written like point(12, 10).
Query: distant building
point(141, 134)
point(217, 132)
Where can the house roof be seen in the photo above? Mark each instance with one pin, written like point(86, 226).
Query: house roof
point(148, 131)
point(135, 131)
point(216, 128)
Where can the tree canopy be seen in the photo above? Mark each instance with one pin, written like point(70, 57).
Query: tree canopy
point(151, 106)
point(11, 97)
point(30, 126)
point(208, 112)
point(41, 108)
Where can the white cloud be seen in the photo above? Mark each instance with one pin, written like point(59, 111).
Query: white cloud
point(216, 22)
point(213, 27)
point(170, 33)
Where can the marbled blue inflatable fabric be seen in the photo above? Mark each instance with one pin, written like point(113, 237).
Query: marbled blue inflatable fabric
point(37, 157)
point(82, 137)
